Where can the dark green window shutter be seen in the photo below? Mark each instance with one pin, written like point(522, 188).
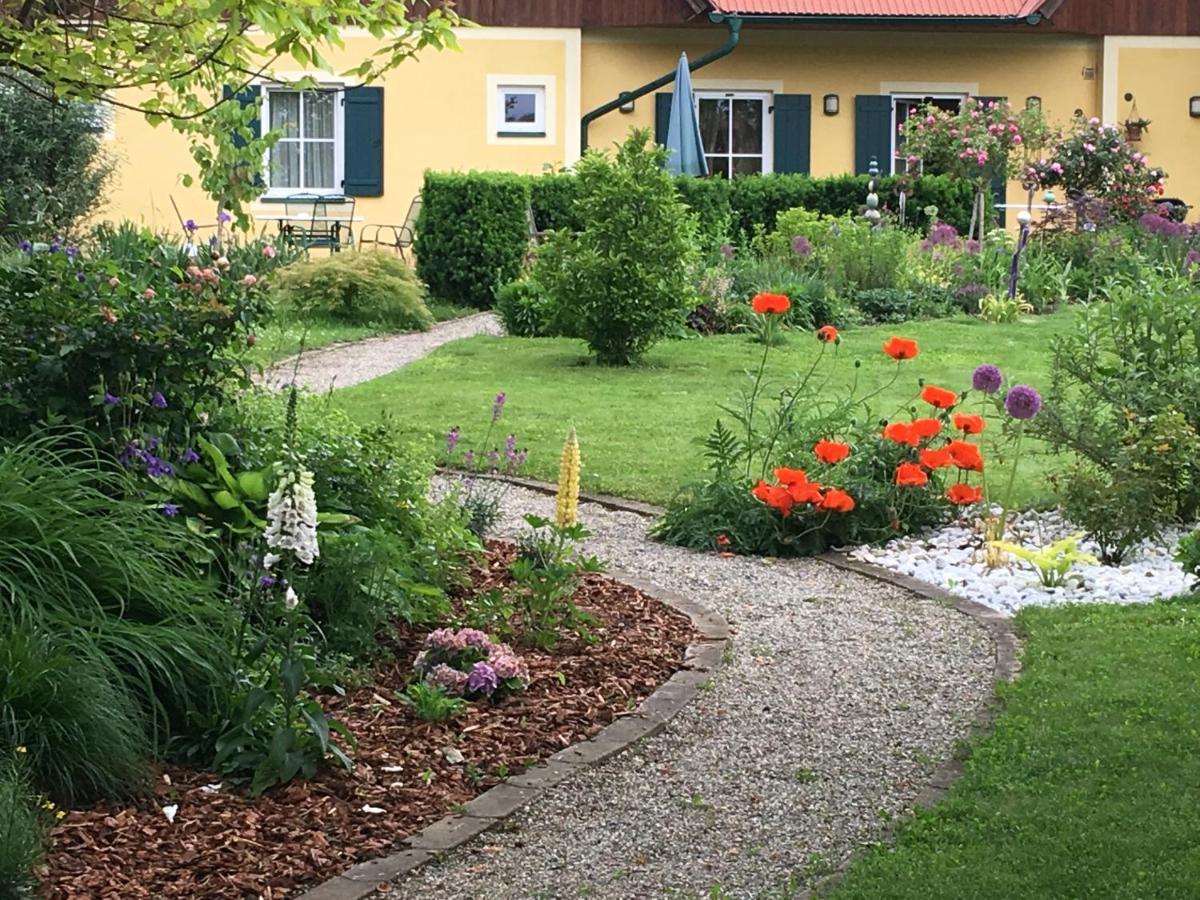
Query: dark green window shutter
point(363, 151)
point(662, 116)
point(793, 133)
point(247, 96)
point(999, 185)
point(872, 132)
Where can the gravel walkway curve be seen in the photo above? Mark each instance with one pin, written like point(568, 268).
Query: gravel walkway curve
point(345, 364)
point(839, 699)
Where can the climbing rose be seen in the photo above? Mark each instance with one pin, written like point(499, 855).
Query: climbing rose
point(911, 475)
point(831, 452)
point(968, 423)
point(770, 304)
point(939, 397)
point(901, 348)
point(964, 494)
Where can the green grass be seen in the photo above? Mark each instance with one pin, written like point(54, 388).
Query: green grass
point(1086, 788)
point(280, 337)
point(639, 427)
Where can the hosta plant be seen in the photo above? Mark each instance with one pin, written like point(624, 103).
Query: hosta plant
point(1053, 563)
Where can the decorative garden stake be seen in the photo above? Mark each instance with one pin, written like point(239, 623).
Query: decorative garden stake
point(872, 213)
point(566, 501)
point(1023, 218)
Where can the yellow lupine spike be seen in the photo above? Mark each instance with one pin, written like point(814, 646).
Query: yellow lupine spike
point(566, 501)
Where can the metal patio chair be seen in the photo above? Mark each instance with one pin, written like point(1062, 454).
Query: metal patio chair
point(330, 222)
point(399, 237)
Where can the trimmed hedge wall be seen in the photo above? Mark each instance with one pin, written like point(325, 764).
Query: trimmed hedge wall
point(472, 234)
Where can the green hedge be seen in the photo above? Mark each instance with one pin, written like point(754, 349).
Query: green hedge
point(472, 234)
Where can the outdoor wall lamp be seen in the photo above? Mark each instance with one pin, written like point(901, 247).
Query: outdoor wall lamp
point(626, 104)
point(1194, 107)
point(1033, 102)
point(831, 104)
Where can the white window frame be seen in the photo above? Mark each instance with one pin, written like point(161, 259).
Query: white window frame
point(339, 140)
point(536, 128)
point(910, 96)
point(768, 122)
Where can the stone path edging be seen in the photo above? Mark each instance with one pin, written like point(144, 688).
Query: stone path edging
point(485, 811)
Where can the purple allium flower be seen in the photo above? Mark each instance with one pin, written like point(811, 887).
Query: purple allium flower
point(189, 456)
point(1191, 260)
point(452, 682)
point(498, 405)
point(26, 247)
point(1022, 402)
point(802, 246)
point(224, 216)
point(482, 679)
point(473, 637)
point(727, 251)
point(452, 438)
point(111, 399)
point(190, 224)
point(267, 581)
point(170, 510)
point(158, 401)
point(987, 378)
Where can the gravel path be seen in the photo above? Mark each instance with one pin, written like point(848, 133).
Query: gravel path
point(345, 364)
point(840, 697)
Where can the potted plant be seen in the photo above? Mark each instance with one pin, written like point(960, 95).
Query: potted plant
point(1134, 129)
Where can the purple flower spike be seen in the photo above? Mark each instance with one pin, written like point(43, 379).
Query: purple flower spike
point(987, 378)
point(498, 405)
point(482, 679)
point(158, 401)
point(1023, 402)
point(452, 438)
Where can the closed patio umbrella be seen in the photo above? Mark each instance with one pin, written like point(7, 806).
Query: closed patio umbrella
point(683, 131)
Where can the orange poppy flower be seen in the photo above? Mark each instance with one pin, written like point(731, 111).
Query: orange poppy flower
point(836, 501)
point(969, 423)
point(965, 456)
point(911, 475)
point(761, 491)
point(901, 348)
point(939, 397)
point(788, 477)
point(831, 452)
point(770, 304)
point(775, 497)
point(809, 492)
point(723, 540)
point(927, 428)
point(902, 433)
point(935, 459)
point(964, 494)
point(827, 334)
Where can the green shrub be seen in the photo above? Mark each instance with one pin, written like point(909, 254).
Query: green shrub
point(708, 199)
point(552, 197)
point(106, 577)
point(622, 283)
point(813, 304)
point(525, 309)
point(53, 165)
point(1117, 510)
point(83, 733)
point(882, 305)
point(22, 832)
point(472, 234)
point(375, 288)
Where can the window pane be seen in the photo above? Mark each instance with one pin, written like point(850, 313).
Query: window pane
point(520, 107)
point(285, 164)
point(747, 165)
point(318, 165)
point(714, 124)
point(285, 112)
point(318, 114)
point(718, 166)
point(747, 126)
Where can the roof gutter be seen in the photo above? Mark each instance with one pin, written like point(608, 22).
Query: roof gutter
point(734, 26)
point(1031, 19)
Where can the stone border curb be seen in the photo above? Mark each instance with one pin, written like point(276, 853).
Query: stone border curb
point(608, 501)
point(483, 812)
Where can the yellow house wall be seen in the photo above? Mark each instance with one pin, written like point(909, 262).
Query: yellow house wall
point(1162, 74)
point(845, 63)
point(435, 116)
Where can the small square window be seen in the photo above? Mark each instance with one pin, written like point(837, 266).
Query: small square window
point(521, 111)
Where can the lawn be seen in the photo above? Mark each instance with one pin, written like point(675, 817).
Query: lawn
point(639, 427)
point(281, 337)
point(1086, 786)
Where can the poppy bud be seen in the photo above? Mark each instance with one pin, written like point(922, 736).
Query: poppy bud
point(858, 364)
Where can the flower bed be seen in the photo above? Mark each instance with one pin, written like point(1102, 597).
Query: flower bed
point(197, 839)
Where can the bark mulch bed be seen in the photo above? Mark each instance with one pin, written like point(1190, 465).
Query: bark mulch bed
point(225, 844)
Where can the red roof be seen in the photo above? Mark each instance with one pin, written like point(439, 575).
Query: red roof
point(988, 9)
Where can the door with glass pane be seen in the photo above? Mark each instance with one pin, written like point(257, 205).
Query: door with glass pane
point(305, 159)
point(736, 130)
